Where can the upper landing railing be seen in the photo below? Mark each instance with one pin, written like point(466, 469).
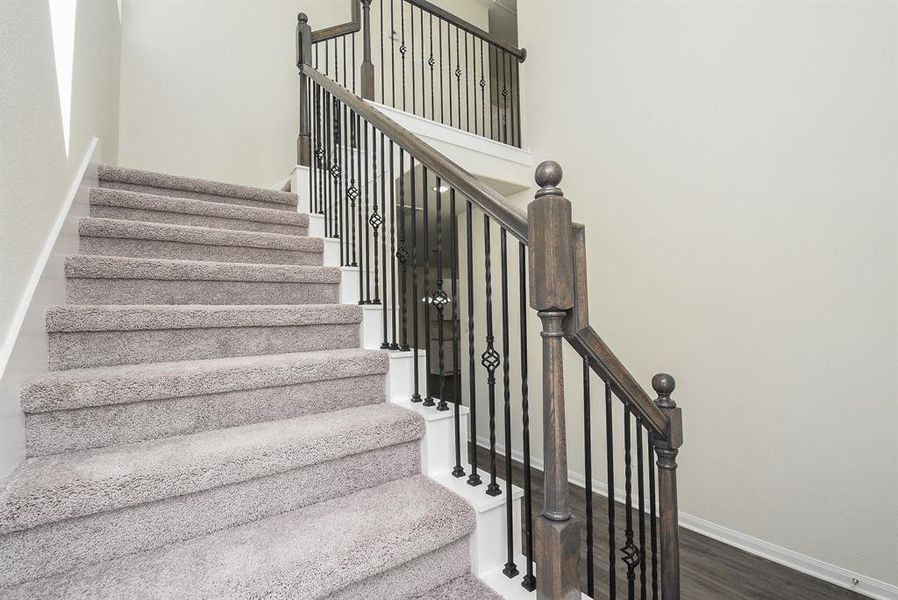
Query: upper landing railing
point(431, 245)
point(417, 57)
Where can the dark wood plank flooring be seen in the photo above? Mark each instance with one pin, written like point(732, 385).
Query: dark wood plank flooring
point(710, 570)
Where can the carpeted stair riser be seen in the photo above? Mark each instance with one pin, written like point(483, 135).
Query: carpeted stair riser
point(74, 543)
point(101, 348)
point(61, 486)
point(111, 237)
point(466, 586)
point(416, 577)
point(186, 187)
point(67, 430)
point(149, 208)
point(117, 280)
point(159, 191)
point(308, 553)
point(89, 336)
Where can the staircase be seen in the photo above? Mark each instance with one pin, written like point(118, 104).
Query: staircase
point(211, 426)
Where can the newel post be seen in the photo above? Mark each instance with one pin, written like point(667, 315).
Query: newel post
point(304, 57)
point(667, 450)
point(552, 295)
point(367, 65)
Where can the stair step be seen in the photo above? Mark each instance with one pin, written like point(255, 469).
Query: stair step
point(84, 336)
point(152, 208)
point(116, 237)
point(308, 553)
point(116, 280)
point(63, 486)
point(199, 189)
point(466, 586)
point(71, 544)
point(79, 409)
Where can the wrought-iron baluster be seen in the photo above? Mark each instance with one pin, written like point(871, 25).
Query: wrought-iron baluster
point(353, 63)
point(402, 50)
point(442, 90)
point(423, 62)
point(511, 569)
point(641, 495)
point(431, 62)
point(412, 38)
point(629, 550)
point(474, 477)
point(528, 582)
point(402, 255)
point(316, 162)
point(347, 164)
point(337, 64)
point(353, 191)
point(425, 198)
point(416, 395)
point(609, 458)
point(363, 223)
point(375, 221)
point(482, 95)
point(336, 172)
point(439, 299)
point(385, 345)
point(458, 470)
point(505, 57)
point(328, 152)
point(467, 88)
point(490, 360)
point(392, 70)
point(587, 455)
point(516, 107)
point(652, 516)
point(394, 345)
point(383, 79)
point(457, 77)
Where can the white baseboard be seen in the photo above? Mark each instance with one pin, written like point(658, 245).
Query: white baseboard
point(24, 350)
point(862, 584)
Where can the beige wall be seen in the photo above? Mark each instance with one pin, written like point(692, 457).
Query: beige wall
point(736, 165)
point(37, 167)
point(210, 89)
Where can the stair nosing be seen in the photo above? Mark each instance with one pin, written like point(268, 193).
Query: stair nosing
point(108, 228)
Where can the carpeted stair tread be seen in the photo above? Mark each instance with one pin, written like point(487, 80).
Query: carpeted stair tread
point(240, 217)
point(189, 234)
point(308, 553)
point(103, 386)
point(466, 586)
point(109, 173)
point(123, 317)
point(87, 266)
point(51, 488)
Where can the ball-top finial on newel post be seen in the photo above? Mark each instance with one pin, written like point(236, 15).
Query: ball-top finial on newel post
point(664, 386)
point(302, 18)
point(548, 176)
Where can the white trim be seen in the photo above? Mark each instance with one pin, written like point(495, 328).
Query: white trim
point(844, 578)
point(38, 270)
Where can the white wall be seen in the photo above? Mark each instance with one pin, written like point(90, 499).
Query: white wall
point(37, 166)
point(736, 165)
point(210, 89)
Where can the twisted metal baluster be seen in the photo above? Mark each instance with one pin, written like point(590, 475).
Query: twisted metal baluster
point(402, 50)
point(630, 551)
point(375, 220)
point(402, 255)
point(432, 62)
point(440, 299)
point(457, 76)
point(528, 582)
point(353, 193)
point(587, 453)
point(416, 396)
point(511, 569)
point(641, 495)
point(609, 457)
point(490, 360)
point(394, 345)
point(474, 477)
point(457, 470)
point(652, 516)
point(428, 397)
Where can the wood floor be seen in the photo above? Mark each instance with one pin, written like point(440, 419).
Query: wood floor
point(710, 570)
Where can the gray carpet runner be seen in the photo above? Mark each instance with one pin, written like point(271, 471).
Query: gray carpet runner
point(210, 426)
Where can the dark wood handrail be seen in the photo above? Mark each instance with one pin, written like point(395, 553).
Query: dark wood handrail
point(486, 198)
point(335, 31)
point(519, 53)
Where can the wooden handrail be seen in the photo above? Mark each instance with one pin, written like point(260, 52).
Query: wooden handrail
point(335, 31)
point(519, 53)
point(486, 198)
